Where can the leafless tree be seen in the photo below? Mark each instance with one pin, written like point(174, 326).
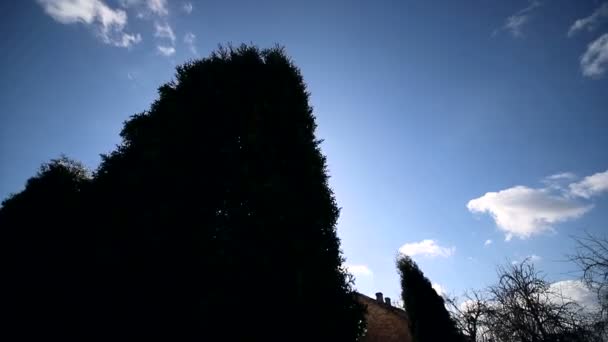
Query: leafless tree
point(591, 255)
point(523, 307)
point(469, 314)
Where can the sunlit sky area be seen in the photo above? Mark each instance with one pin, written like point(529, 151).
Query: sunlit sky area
point(464, 133)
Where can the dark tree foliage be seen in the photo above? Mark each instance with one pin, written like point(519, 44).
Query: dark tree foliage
point(429, 319)
point(213, 219)
point(45, 245)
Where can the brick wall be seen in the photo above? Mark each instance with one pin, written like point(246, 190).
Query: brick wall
point(384, 322)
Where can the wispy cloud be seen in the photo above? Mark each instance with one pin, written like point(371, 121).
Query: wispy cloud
point(164, 30)
point(531, 258)
point(158, 7)
point(146, 9)
point(359, 270)
point(190, 40)
point(125, 40)
point(108, 23)
point(187, 7)
point(591, 185)
point(428, 248)
point(524, 212)
point(594, 61)
point(561, 176)
point(166, 50)
point(515, 23)
point(487, 242)
point(156, 11)
point(559, 181)
point(591, 22)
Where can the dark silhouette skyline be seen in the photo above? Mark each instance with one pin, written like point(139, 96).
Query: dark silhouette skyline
point(212, 219)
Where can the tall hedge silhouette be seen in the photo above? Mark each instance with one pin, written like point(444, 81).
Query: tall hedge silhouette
point(429, 319)
point(213, 219)
point(46, 245)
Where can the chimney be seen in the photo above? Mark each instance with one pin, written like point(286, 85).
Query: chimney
point(379, 297)
point(387, 301)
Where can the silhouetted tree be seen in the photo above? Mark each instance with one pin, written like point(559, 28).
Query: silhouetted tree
point(592, 257)
point(46, 246)
point(212, 220)
point(214, 216)
point(470, 315)
point(522, 306)
point(429, 319)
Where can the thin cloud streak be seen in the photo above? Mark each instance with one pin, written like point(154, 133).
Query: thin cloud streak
point(166, 50)
point(515, 23)
point(591, 22)
point(164, 31)
point(594, 61)
point(190, 40)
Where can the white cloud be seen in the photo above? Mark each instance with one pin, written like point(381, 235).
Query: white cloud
point(524, 212)
point(559, 181)
point(594, 61)
point(534, 258)
point(487, 242)
point(130, 3)
point(146, 9)
point(561, 176)
point(189, 40)
point(591, 185)
point(68, 12)
point(591, 22)
point(125, 40)
point(108, 23)
point(468, 305)
point(428, 248)
point(576, 291)
point(166, 50)
point(187, 7)
point(158, 7)
point(359, 270)
point(438, 288)
point(517, 21)
point(164, 31)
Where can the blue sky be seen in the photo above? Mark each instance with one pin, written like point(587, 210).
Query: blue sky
point(465, 133)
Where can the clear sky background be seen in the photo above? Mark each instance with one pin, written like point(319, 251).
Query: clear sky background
point(465, 133)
